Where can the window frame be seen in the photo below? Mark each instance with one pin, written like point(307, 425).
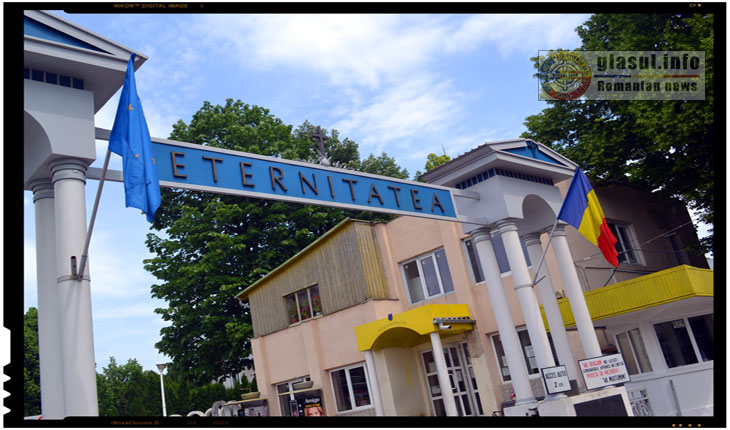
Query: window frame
point(479, 263)
point(421, 276)
point(295, 295)
point(690, 333)
point(290, 385)
point(632, 248)
point(633, 352)
point(525, 355)
point(353, 406)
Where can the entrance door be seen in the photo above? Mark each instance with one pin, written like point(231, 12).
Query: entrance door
point(461, 375)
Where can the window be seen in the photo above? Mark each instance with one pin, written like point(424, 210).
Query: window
point(625, 245)
point(527, 352)
point(303, 305)
point(634, 352)
point(461, 377)
point(286, 397)
point(476, 267)
point(687, 340)
point(427, 276)
point(351, 388)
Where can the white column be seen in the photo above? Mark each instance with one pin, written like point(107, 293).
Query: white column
point(528, 301)
point(552, 311)
point(74, 296)
point(374, 385)
point(482, 241)
point(49, 331)
point(583, 321)
point(443, 374)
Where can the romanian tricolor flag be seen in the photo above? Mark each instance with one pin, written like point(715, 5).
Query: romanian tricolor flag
point(582, 211)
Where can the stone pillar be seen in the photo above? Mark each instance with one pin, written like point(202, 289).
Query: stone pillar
point(552, 311)
point(583, 321)
point(374, 384)
point(443, 374)
point(482, 241)
point(74, 295)
point(528, 301)
point(49, 320)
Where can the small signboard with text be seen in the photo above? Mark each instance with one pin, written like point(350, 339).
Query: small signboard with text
point(603, 371)
point(556, 379)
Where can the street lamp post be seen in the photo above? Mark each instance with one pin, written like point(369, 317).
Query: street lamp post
point(161, 367)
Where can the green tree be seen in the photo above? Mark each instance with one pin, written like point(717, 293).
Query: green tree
point(660, 146)
point(128, 390)
point(433, 161)
point(31, 364)
point(214, 246)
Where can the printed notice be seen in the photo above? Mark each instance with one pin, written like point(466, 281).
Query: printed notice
point(556, 379)
point(604, 371)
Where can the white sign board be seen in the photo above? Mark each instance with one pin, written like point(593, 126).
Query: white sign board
point(604, 371)
point(556, 379)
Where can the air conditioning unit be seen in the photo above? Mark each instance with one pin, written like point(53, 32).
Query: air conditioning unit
point(560, 294)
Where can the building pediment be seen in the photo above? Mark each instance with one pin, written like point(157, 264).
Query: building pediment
point(59, 52)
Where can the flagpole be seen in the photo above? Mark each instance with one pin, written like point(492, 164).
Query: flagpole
point(85, 254)
point(542, 258)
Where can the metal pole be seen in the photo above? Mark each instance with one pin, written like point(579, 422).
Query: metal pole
point(161, 367)
point(542, 258)
point(85, 253)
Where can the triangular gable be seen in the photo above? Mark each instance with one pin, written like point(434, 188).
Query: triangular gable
point(34, 28)
point(533, 150)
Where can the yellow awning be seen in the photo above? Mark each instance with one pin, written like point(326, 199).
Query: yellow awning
point(412, 327)
point(658, 288)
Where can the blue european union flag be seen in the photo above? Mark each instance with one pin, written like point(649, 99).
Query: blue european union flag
point(130, 138)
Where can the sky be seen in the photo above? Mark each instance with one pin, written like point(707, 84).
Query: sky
point(408, 85)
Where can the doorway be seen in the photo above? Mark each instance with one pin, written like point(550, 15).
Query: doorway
point(461, 375)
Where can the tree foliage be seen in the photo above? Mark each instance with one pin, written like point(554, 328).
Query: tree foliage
point(213, 246)
point(660, 146)
point(31, 364)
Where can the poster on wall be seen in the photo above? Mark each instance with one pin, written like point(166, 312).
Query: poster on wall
point(556, 379)
point(603, 371)
point(308, 404)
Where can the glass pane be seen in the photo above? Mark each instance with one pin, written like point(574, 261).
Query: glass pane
point(316, 302)
point(305, 311)
point(479, 404)
point(428, 360)
point(291, 309)
point(476, 266)
point(467, 404)
point(641, 356)
point(675, 343)
point(623, 344)
point(413, 281)
point(342, 394)
point(429, 273)
point(282, 388)
point(438, 407)
point(433, 383)
point(501, 255)
point(447, 358)
point(458, 407)
point(703, 332)
point(473, 379)
point(454, 356)
point(359, 386)
point(466, 353)
point(460, 381)
point(444, 271)
point(528, 352)
point(626, 239)
point(501, 357)
point(451, 379)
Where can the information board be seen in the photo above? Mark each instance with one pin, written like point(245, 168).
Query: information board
point(556, 379)
point(603, 371)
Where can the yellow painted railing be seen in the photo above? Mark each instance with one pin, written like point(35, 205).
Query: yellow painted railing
point(666, 286)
